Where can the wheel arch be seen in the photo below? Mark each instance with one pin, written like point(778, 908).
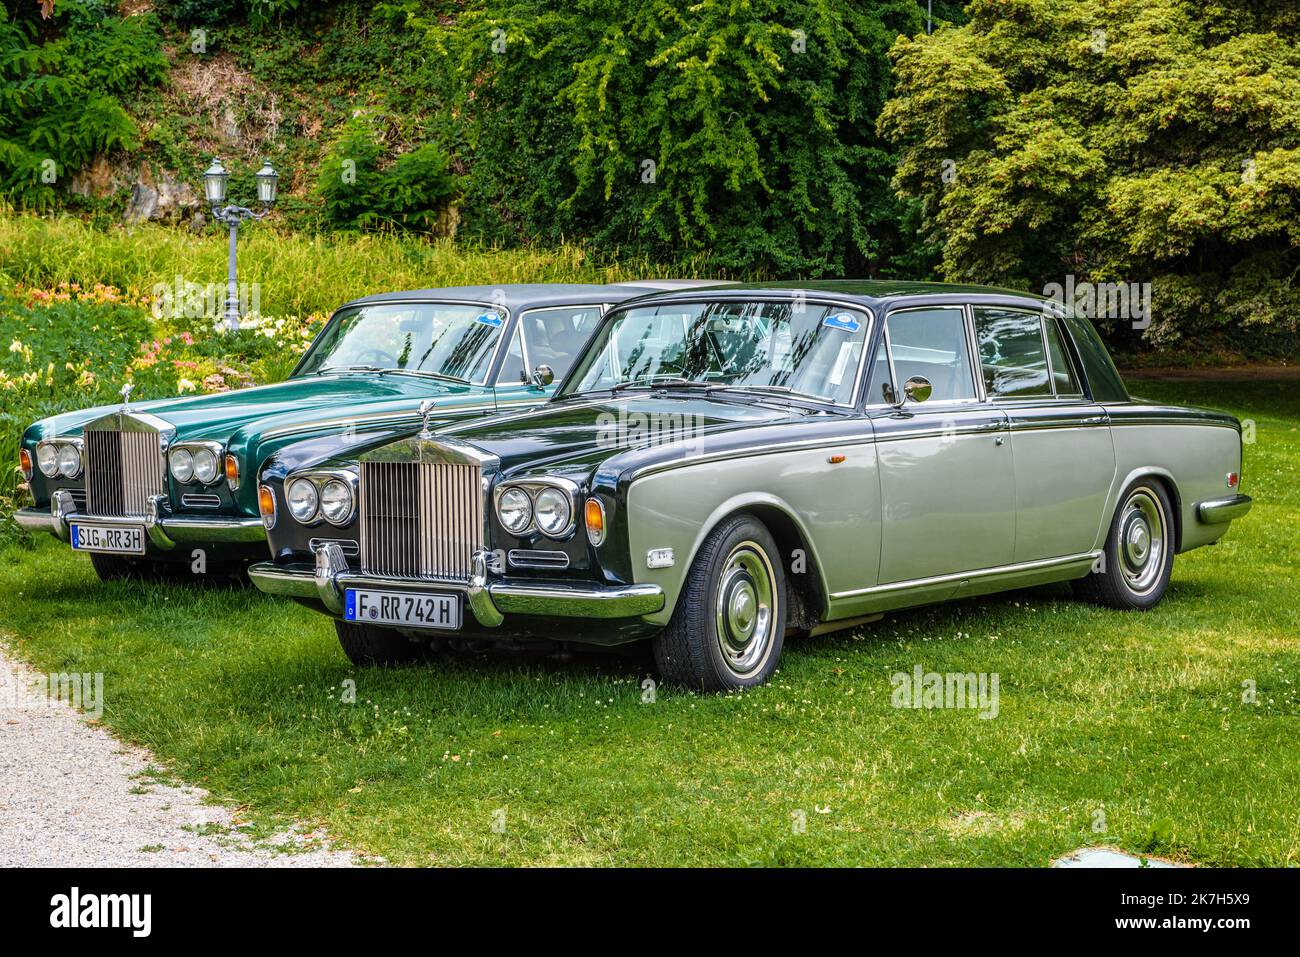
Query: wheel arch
point(792, 537)
point(1170, 485)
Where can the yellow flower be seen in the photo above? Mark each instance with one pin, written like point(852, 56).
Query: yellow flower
point(15, 346)
point(184, 385)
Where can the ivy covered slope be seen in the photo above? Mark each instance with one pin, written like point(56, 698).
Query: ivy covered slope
point(746, 130)
point(1116, 140)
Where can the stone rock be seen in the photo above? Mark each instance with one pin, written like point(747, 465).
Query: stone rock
point(97, 180)
point(167, 200)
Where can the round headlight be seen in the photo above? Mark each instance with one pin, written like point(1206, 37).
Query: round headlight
point(336, 502)
point(515, 509)
point(47, 457)
point(205, 466)
point(553, 511)
point(69, 461)
point(182, 464)
point(303, 500)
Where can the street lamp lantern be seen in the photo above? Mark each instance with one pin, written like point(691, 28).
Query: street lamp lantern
point(214, 183)
point(266, 179)
point(214, 188)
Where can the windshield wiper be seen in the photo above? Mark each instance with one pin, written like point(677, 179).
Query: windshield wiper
point(327, 369)
point(673, 382)
point(432, 375)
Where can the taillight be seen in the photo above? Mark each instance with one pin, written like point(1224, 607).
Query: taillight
point(25, 464)
point(1233, 480)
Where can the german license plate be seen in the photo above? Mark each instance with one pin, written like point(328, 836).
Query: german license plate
point(121, 539)
point(402, 608)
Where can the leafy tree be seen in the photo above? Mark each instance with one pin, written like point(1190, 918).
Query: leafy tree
point(1115, 141)
point(62, 83)
point(743, 130)
point(363, 189)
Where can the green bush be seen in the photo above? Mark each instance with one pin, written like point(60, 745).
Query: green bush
point(361, 191)
point(62, 83)
point(744, 131)
point(1118, 141)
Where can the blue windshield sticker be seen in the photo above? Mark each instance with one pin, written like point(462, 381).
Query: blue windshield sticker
point(842, 320)
point(489, 319)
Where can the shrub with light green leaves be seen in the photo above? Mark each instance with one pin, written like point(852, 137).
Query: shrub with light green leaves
point(1120, 141)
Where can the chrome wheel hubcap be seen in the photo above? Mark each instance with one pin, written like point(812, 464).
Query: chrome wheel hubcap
point(1142, 541)
point(746, 609)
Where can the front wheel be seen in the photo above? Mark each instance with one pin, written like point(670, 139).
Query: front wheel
point(1139, 555)
point(728, 627)
point(367, 645)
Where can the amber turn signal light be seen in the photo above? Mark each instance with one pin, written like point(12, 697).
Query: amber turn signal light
point(266, 505)
point(595, 517)
point(25, 464)
point(232, 472)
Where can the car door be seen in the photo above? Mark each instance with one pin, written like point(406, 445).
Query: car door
point(1060, 439)
point(551, 337)
point(947, 483)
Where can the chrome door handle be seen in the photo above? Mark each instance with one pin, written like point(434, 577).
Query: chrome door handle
point(999, 440)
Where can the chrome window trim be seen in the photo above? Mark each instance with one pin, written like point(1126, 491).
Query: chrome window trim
point(972, 355)
point(1052, 395)
point(828, 301)
point(1051, 366)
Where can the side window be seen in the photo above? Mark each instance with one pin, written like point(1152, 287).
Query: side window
point(1012, 358)
point(555, 336)
point(1064, 378)
point(925, 342)
point(512, 369)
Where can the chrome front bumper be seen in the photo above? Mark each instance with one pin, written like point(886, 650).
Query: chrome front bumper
point(1219, 510)
point(330, 578)
point(165, 531)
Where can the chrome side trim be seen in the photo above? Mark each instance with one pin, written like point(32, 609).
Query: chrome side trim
point(964, 576)
point(1216, 511)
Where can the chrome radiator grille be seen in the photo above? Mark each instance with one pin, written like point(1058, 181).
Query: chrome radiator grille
point(122, 470)
point(420, 519)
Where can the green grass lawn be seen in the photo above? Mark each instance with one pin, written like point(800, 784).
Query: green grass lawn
point(1131, 721)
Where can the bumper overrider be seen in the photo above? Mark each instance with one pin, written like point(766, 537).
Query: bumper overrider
point(164, 531)
point(489, 601)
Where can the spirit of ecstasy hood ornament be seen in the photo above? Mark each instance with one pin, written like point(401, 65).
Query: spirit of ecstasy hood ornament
point(126, 397)
point(426, 411)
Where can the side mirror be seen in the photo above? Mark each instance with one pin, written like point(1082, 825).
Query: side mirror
point(917, 388)
point(543, 376)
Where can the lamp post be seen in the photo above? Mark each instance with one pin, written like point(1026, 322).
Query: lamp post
point(214, 189)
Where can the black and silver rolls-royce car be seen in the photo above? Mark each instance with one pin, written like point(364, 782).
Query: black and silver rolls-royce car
point(724, 468)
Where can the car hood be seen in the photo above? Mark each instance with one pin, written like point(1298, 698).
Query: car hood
point(217, 417)
point(596, 442)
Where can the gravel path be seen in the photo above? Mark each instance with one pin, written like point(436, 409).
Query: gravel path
point(72, 795)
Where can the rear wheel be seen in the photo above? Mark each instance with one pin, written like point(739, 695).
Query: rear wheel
point(728, 627)
point(1139, 554)
point(368, 645)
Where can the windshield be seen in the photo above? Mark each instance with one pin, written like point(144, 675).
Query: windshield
point(795, 347)
point(452, 340)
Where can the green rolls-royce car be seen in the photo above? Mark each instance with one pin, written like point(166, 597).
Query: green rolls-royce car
point(725, 467)
point(142, 485)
